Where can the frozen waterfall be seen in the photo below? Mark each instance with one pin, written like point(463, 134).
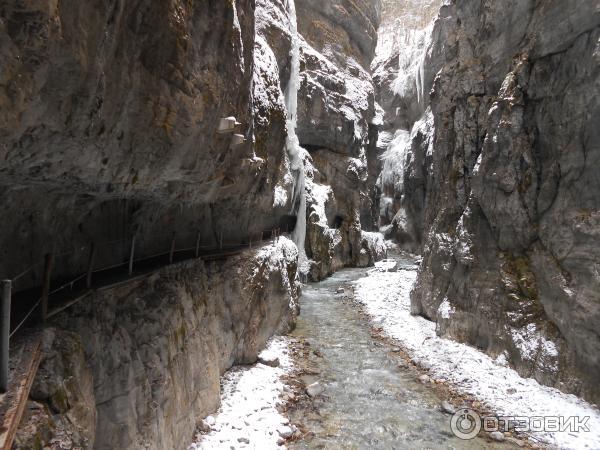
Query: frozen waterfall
point(294, 151)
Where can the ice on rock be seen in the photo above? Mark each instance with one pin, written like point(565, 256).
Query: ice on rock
point(445, 310)
point(296, 153)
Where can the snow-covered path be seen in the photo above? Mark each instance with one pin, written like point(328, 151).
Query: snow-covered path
point(385, 296)
point(248, 417)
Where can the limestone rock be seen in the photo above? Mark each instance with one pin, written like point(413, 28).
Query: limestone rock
point(119, 360)
point(448, 407)
point(496, 186)
point(268, 360)
point(285, 432)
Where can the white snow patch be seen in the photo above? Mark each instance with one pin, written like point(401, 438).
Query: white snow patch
point(375, 242)
point(280, 198)
point(386, 297)
point(393, 159)
point(445, 309)
point(533, 346)
point(276, 255)
point(502, 359)
point(386, 265)
point(249, 400)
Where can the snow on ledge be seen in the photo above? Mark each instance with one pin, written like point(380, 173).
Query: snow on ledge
point(248, 416)
point(281, 249)
point(386, 298)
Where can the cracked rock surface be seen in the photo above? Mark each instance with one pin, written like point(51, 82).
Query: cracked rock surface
point(501, 179)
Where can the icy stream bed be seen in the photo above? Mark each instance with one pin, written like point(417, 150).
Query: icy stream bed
point(369, 400)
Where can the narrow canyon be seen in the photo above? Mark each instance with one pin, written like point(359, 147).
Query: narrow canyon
point(299, 224)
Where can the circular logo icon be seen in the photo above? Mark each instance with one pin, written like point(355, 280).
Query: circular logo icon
point(465, 424)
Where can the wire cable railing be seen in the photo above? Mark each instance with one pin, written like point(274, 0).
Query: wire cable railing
point(71, 289)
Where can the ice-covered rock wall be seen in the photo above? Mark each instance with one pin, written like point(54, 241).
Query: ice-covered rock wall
point(331, 124)
point(296, 153)
point(402, 91)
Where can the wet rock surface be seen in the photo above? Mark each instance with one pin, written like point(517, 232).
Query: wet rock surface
point(514, 244)
point(336, 124)
point(108, 127)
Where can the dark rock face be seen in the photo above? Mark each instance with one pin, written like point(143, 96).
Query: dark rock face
point(109, 113)
point(108, 127)
point(509, 198)
point(347, 28)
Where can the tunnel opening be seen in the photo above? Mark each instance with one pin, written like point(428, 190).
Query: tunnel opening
point(287, 223)
point(337, 222)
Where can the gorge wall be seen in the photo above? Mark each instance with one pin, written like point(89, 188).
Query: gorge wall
point(337, 125)
point(109, 129)
point(466, 128)
point(138, 366)
point(498, 186)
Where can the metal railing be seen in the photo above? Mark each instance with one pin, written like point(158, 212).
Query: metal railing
point(83, 283)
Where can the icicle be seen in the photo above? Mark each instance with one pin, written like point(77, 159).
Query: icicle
point(293, 144)
point(421, 76)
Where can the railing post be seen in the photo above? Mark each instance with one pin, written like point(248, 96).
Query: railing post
point(221, 241)
point(5, 334)
point(46, 287)
point(90, 271)
point(198, 245)
point(131, 255)
point(172, 251)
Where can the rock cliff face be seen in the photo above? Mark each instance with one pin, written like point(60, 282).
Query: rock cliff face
point(502, 172)
point(399, 72)
point(108, 127)
point(337, 125)
point(137, 366)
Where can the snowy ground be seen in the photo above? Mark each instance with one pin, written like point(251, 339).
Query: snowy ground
point(248, 417)
point(385, 296)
